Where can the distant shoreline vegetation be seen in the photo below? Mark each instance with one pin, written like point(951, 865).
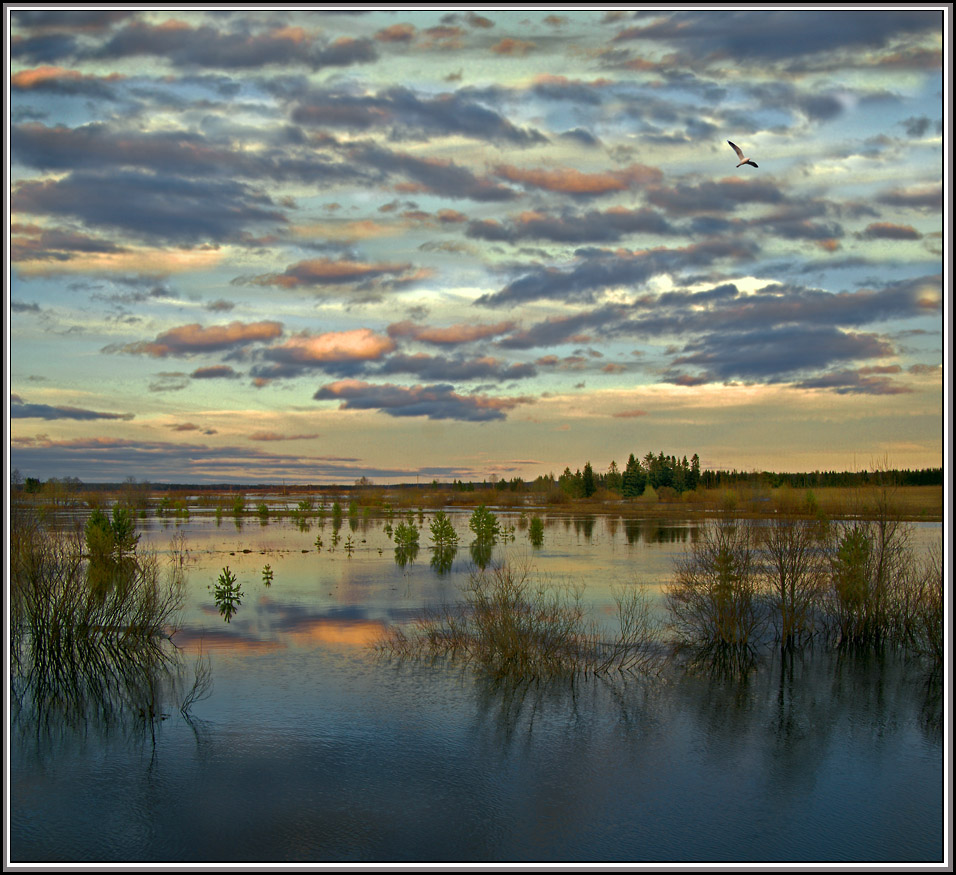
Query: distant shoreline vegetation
point(656, 485)
point(612, 481)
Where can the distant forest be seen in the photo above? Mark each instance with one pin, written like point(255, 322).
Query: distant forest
point(659, 472)
point(679, 475)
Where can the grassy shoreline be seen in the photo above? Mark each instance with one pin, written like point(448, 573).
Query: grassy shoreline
point(912, 503)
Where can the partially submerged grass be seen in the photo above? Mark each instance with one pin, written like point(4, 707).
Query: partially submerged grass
point(89, 634)
point(60, 596)
point(511, 625)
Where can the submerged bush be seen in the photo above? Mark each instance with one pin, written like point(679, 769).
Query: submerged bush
point(713, 602)
point(536, 531)
point(513, 626)
point(792, 570)
point(60, 595)
point(788, 580)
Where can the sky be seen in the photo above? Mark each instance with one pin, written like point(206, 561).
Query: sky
point(310, 246)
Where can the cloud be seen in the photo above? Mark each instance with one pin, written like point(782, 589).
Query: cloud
point(151, 207)
point(438, 401)
point(581, 136)
point(219, 306)
point(601, 270)
point(19, 409)
point(782, 34)
point(428, 367)
point(321, 272)
point(207, 46)
point(924, 197)
point(556, 330)
point(87, 21)
point(431, 175)
point(466, 332)
point(594, 226)
point(216, 372)
point(849, 382)
point(57, 80)
point(629, 414)
point(776, 353)
point(193, 339)
point(408, 115)
point(267, 436)
point(723, 196)
point(361, 344)
point(567, 180)
point(345, 352)
point(396, 33)
point(890, 231)
point(511, 46)
point(35, 244)
point(106, 459)
point(772, 334)
point(99, 148)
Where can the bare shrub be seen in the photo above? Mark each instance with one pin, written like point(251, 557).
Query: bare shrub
point(870, 561)
point(792, 573)
point(512, 625)
point(713, 601)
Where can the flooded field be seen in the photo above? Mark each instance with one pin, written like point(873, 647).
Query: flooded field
point(270, 730)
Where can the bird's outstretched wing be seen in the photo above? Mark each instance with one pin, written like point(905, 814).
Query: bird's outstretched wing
point(740, 154)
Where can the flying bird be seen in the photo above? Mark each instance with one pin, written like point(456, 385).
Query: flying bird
point(740, 155)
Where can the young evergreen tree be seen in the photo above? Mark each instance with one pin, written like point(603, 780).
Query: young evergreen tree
point(634, 479)
point(613, 480)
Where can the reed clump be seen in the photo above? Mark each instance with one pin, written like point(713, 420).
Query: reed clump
point(61, 595)
point(512, 625)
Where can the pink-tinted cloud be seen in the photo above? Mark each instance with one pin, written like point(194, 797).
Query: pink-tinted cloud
point(318, 272)
point(512, 46)
point(360, 344)
point(56, 77)
point(192, 339)
point(629, 414)
point(453, 334)
point(890, 231)
point(397, 33)
point(567, 180)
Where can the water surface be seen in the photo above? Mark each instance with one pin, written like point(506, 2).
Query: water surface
point(312, 748)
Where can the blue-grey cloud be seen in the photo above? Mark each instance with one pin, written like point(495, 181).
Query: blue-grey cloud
point(924, 198)
point(432, 175)
point(593, 226)
point(436, 401)
point(20, 409)
point(782, 34)
point(427, 367)
point(408, 115)
point(775, 353)
point(154, 208)
point(601, 270)
point(241, 49)
point(850, 382)
point(723, 196)
point(215, 372)
point(101, 147)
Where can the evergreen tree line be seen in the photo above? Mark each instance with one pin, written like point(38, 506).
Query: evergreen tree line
point(656, 471)
point(682, 475)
